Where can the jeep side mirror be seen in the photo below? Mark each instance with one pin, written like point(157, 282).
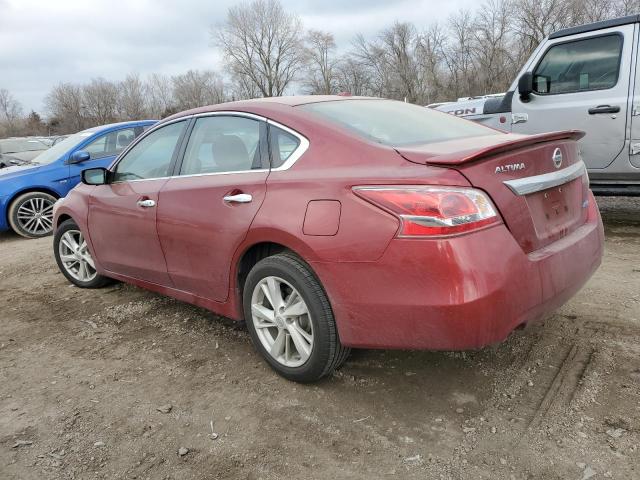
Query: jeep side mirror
point(95, 176)
point(79, 157)
point(525, 86)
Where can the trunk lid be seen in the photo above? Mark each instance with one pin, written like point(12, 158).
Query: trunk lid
point(538, 182)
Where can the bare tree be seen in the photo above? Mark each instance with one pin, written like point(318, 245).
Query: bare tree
point(321, 63)
point(626, 7)
point(100, 100)
point(131, 98)
point(492, 46)
point(368, 56)
point(262, 44)
point(537, 19)
point(458, 55)
point(10, 112)
point(65, 104)
point(159, 96)
point(243, 88)
point(352, 77)
point(196, 89)
point(430, 56)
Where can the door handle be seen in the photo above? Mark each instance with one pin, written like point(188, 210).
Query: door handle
point(604, 109)
point(148, 203)
point(238, 198)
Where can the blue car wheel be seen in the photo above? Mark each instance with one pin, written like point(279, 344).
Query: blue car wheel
point(31, 214)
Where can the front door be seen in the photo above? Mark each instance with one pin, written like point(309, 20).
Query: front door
point(122, 214)
point(204, 212)
point(582, 83)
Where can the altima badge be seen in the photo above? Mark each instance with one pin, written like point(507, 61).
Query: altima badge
point(557, 158)
point(513, 167)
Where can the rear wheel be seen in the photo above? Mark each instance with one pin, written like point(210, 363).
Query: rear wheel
point(290, 319)
point(31, 214)
point(74, 259)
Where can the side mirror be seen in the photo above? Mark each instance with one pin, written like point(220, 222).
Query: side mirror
point(95, 176)
point(79, 157)
point(525, 85)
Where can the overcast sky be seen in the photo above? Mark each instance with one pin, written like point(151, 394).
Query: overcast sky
point(44, 42)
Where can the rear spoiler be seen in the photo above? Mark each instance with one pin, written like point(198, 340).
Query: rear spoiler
point(489, 146)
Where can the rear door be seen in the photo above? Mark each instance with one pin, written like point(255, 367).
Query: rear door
point(206, 208)
point(122, 214)
point(582, 82)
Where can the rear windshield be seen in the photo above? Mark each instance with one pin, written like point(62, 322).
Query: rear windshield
point(396, 123)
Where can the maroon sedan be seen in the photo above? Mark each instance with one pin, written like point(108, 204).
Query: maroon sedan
point(335, 222)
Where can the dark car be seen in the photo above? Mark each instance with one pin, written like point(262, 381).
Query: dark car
point(20, 151)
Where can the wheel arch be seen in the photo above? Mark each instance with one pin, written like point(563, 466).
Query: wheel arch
point(62, 218)
point(255, 249)
point(252, 255)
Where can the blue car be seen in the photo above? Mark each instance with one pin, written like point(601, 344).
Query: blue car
point(28, 192)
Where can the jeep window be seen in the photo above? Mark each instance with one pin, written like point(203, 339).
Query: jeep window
point(580, 65)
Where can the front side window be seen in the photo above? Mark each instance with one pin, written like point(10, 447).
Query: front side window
point(581, 65)
point(222, 143)
point(152, 156)
point(112, 143)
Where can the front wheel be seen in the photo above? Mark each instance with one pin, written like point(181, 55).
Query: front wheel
point(290, 319)
point(31, 214)
point(73, 257)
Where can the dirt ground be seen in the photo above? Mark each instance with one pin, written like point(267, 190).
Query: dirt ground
point(113, 383)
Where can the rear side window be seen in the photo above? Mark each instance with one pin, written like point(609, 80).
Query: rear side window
point(282, 145)
point(580, 65)
point(396, 123)
point(152, 156)
point(224, 143)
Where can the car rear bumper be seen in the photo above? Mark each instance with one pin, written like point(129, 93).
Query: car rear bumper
point(458, 293)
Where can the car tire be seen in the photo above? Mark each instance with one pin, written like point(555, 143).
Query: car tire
point(296, 331)
point(31, 214)
point(74, 259)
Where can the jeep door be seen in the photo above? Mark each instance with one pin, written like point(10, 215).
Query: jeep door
point(582, 82)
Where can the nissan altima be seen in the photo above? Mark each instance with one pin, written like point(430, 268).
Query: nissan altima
point(330, 223)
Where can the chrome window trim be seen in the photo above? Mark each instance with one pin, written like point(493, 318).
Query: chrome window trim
point(297, 153)
point(537, 183)
point(262, 170)
point(293, 158)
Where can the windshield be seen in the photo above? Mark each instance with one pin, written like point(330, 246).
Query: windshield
point(18, 145)
point(396, 123)
point(62, 147)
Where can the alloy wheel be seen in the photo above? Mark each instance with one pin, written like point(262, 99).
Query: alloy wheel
point(35, 216)
point(282, 321)
point(75, 256)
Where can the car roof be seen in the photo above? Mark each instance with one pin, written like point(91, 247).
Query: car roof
point(268, 103)
point(114, 126)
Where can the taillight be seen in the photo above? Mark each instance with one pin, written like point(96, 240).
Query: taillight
point(431, 210)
